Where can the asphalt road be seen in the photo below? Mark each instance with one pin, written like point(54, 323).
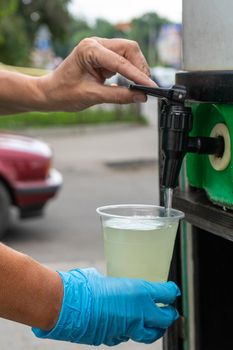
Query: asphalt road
point(100, 166)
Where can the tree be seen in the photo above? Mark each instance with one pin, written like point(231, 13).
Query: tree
point(145, 31)
point(104, 29)
point(101, 28)
point(79, 30)
point(53, 13)
point(14, 45)
point(7, 7)
point(20, 20)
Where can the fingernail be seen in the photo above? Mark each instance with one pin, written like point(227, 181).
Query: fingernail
point(152, 82)
point(139, 98)
point(178, 292)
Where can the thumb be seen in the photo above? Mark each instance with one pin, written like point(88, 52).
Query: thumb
point(120, 95)
point(164, 292)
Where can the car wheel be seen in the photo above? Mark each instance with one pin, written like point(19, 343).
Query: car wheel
point(4, 210)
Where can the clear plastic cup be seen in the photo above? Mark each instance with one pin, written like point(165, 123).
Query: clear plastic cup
point(139, 240)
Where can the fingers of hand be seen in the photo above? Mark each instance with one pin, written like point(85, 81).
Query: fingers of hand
point(120, 95)
point(101, 57)
point(117, 63)
point(115, 341)
point(136, 57)
point(165, 292)
point(161, 317)
point(128, 49)
point(156, 321)
point(147, 335)
point(107, 74)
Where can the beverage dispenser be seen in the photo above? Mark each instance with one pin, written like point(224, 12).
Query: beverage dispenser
point(196, 123)
point(203, 258)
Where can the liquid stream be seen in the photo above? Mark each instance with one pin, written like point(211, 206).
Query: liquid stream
point(168, 194)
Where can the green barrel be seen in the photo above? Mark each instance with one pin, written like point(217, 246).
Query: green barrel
point(218, 184)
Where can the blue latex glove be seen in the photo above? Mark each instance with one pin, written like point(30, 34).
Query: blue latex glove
point(98, 309)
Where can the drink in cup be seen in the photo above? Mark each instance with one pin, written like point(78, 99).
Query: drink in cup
point(139, 240)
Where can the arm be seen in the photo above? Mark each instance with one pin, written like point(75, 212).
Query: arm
point(78, 82)
point(20, 93)
point(81, 305)
point(30, 293)
point(105, 310)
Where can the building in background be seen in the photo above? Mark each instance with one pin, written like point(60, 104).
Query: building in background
point(169, 45)
point(43, 55)
point(124, 27)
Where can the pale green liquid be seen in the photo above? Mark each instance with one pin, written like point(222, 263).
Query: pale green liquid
point(139, 248)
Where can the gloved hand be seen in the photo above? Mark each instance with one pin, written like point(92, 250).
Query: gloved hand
point(98, 309)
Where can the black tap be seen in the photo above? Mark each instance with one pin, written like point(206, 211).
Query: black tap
point(176, 123)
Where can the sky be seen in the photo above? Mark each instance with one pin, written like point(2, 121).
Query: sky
point(124, 10)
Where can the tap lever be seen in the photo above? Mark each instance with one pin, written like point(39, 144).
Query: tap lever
point(176, 93)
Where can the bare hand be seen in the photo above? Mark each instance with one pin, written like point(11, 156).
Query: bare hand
point(78, 82)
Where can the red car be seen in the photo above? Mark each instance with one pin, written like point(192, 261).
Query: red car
point(27, 179)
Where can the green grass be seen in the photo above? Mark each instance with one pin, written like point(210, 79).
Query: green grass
point(63, 119)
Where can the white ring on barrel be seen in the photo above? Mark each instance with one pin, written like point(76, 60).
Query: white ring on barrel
point(221, 163)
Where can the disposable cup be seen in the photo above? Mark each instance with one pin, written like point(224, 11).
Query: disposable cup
point(139, 240)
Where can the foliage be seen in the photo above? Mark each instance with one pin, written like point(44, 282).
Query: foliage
point(20, 20)
point(14, 48)
point(81, 30)
point(7, 7)
point(63, 119)
point(145, 31)
point(53, 13)
point(104, 29)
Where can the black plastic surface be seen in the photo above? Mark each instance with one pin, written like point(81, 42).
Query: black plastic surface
point(207, 86)
point(200, 212)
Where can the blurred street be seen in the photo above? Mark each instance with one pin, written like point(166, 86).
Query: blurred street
point(100, 165)
point(101, 155)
